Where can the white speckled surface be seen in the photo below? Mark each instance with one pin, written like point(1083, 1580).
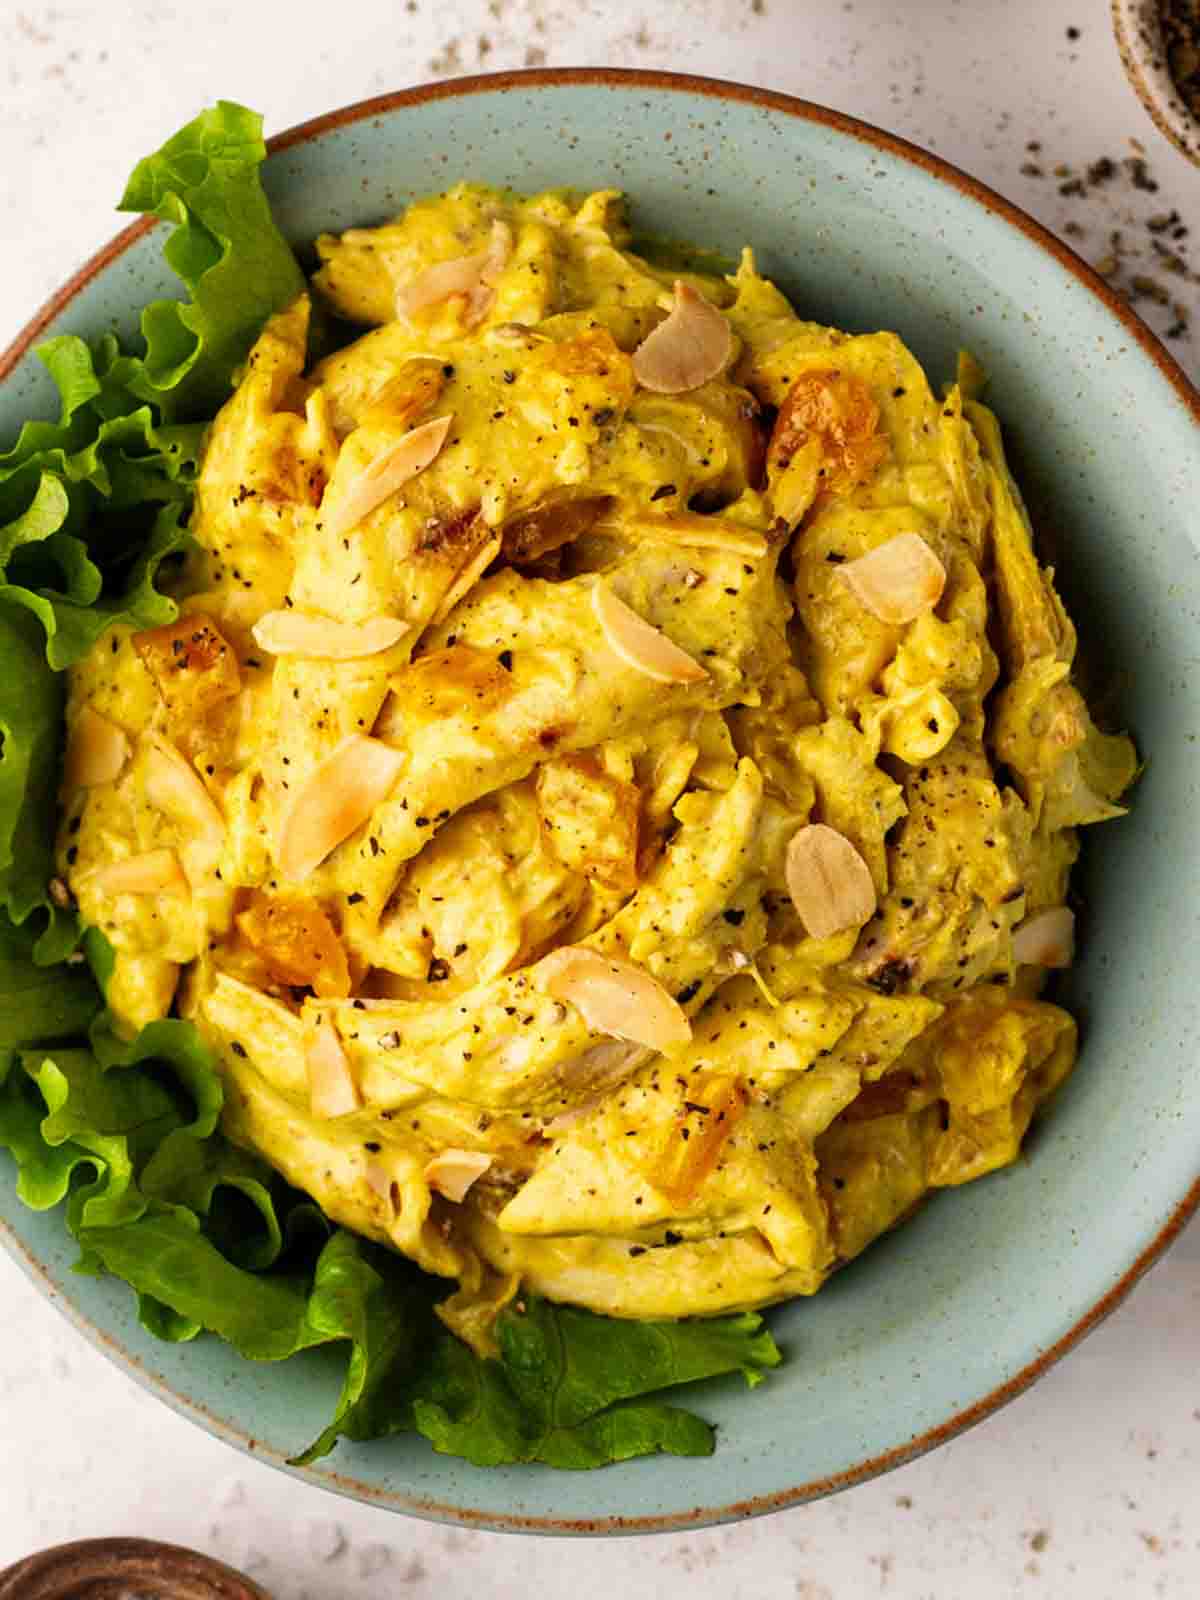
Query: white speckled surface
point(1084, 1489)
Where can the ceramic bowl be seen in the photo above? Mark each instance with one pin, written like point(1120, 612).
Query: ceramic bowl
point(964, 1306)
point(124, 1569)
point(1140, 42)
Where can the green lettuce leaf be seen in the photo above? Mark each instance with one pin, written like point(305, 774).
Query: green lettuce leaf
point(569, 1389)
point(31, 699)
point(39, 1006)
point(226, 248)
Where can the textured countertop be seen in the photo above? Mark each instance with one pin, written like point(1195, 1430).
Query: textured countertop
point(1085, 1488)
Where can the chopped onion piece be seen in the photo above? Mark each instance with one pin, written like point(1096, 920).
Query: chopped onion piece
point(339, 797)
point(473, 276)
point(688, 348)
point(332, 1091)
point(897, 580)
point(174, 787)
point(829, 882)
point(454, 1171)
point(152, 872)
point(96, 751)
point(640, 645)
point(1046, 939)
point(468, 577)
point(388, 472)
point(614, 997)
point(300, 633)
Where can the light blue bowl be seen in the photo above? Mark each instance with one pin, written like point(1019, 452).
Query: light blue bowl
point(965, 1305)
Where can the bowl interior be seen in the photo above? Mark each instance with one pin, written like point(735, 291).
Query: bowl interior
point(987, 1280)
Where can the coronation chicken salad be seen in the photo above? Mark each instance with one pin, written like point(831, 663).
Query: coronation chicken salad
point(609, 795)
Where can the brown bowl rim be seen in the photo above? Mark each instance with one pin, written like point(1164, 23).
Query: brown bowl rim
point(150, 1566)
point(992, 202)
point(1139, 44)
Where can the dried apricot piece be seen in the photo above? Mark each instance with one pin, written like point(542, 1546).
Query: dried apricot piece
point(195, 670)
point(591, 819)
point(839, 411)
point(713, 1105)
point(297, 943)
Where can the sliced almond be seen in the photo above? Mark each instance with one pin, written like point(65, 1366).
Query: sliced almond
point(303, 633)
point(614, 997)
point(640, 645)
point(152, 872)
point(96, 751)
point(468, 577)
point(387, 473)
point(472, 276)
point(339, 797)
point(174, 787)
point(498, 251)
point(829, 882)
point(460, 275)
point(688, 348)
point(332, 1091)
point(695, 531)
point(381, 1182)
point(454, 1171)
point(1046, 939)
point(897, 580)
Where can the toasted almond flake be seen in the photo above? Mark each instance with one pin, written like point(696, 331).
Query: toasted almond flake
point(302, 633)
point(152, 872)
point(603, 1065)
point(1046, 939)
point(688, 347)
point(96, 751)
point(174, 787)
point(380, 1182)
point(829, 882)
point(338, 797)
point(897, 580)
point(640, 645)
point(460, 275)
point(472, 276)
point(499, 249)
point(454, 1171)
point(332, 1091)
point(468, 577)
point(614, 997)
point(387, 473)
point(695, 531)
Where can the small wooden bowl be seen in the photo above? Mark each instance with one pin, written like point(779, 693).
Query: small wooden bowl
point(1139, 40)
point(124, 1569)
